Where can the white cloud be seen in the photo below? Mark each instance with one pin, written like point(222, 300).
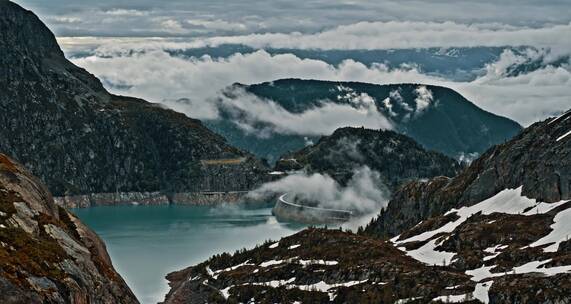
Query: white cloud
point(283, 16)
point(126, 12)
point(218, 24)
point(173, 26)
point(157, 76)
point(320, 120)
point(66, 19)
point(423, 99)
point(363, 192)
point(406, 34)
point(373, 36)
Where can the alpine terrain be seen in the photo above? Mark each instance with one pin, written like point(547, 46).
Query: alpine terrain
point(496, 233)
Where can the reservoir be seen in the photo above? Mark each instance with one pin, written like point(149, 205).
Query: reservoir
point(147, 242)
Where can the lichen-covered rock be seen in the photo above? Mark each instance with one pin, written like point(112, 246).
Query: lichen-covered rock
point(59, 121)
point(46, 254)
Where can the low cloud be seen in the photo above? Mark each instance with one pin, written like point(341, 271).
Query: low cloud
point(406, 35)
point(358, 36)
point(423, 99)
point(363, 193)
point(250, 111)
point(160, 77)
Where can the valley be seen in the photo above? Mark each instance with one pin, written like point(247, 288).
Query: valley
point(208, 161)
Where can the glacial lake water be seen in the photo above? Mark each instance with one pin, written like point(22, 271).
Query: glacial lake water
point(147, 242)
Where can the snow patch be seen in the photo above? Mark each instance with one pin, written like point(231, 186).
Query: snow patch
point(481, 292)
point(216, 273)
point(428, 255)
point(484, 272)
point(560, 233)
point(494, 251)
point(563, 136)
point(324, 287)
point(508, 201)
point(271, 263)
point(451, 298)
point(318, 262)
point(276, 173)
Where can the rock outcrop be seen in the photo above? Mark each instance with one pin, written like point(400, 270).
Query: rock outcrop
point(46, 254)
point(538, 160)
point(396, 157)
point(59, 121)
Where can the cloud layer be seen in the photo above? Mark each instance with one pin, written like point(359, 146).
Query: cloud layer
point(151, 18)
point(251, 112)
point(160, 77)
point(363, 192)
point(367, 36)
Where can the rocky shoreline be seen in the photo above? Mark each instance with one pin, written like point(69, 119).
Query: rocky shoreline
point(149, 199)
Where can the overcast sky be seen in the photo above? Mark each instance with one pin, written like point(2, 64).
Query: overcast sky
point(160, 76)
point(193, 18)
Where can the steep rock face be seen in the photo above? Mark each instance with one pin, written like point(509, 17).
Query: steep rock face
point(396, 157)
point(46, 254)
point(438, 118)
point(538, 159)
point(59, 121)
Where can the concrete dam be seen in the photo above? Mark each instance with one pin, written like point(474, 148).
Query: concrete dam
point(286, 210)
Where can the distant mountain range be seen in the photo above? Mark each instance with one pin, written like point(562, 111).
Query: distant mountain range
point(444, 122)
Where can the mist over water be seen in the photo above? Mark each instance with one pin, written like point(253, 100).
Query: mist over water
point(147, 242)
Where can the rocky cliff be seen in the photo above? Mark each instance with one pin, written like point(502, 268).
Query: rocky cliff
point(538, 160)
point(396, 157)
point(46, 254)
point(499, 232)
point(59, 121)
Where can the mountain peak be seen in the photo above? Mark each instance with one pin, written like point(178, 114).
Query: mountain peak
point(59, 121)
point(23, 33)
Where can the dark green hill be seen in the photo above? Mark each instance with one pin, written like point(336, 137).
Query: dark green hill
point(450, 123)
point(396, 157)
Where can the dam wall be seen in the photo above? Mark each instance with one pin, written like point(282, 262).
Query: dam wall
point(289, 211)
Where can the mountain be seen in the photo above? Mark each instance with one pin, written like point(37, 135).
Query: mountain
point(438, 118)
point(59, 121)
point(538, 160)
point(496, 233)
point(46, 254)
point(396, 157)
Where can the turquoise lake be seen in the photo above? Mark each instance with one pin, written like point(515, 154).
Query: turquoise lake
point(147, 242)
